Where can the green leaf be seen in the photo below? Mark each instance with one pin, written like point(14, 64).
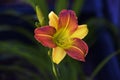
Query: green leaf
point(77, 6)
point(42, 4)
point(102, 64)
point(71, 69)
point(36, 56)
point(96, 24)
point(60, 4)
point(17, 69)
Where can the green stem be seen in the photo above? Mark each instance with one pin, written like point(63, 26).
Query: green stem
point(102, 64)
point(55, 70)
point(54, 66)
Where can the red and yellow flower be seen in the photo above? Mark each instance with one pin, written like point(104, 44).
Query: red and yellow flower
point(64, 36)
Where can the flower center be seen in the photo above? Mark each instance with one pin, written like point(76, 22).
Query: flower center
point(62, 39)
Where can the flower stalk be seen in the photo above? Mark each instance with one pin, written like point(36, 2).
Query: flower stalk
point(54, 66)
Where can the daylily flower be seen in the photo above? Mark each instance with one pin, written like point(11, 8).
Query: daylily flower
point(64, 36)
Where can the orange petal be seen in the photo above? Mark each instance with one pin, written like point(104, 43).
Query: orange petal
point(78, 50)
point(68, 20)
point(44, 35)
point(58, 55)
point(53, 19)
point(81, 32)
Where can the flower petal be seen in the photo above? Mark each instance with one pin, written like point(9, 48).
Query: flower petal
point(78, 50)
point(58, 55)
point(44, 35)
point(67, 20)
point(53, 19)
point(81, 32)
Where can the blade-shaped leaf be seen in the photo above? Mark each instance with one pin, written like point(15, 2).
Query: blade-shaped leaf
point(77, 5)
point(60, 4)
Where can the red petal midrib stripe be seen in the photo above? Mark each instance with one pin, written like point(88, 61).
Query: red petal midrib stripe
point(44, 35)
point(78, 49)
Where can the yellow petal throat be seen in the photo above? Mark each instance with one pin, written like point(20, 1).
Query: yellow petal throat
point(58, 55)
point(81, 32)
